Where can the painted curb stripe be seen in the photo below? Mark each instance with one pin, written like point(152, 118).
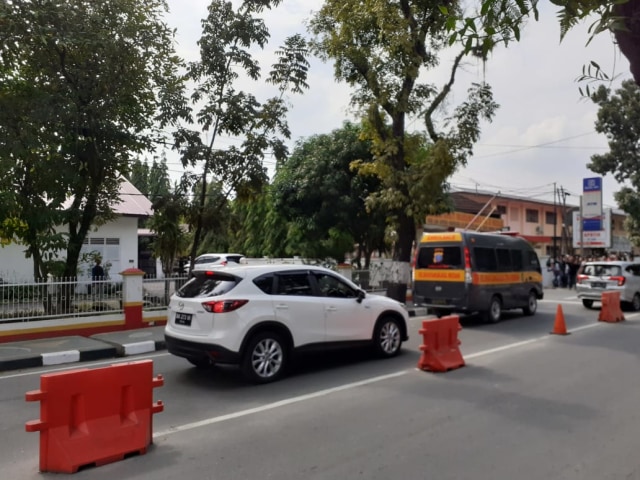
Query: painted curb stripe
point(57, 358)
point(139, 347)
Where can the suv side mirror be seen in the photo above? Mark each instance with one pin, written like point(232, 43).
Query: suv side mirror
point(361, 295)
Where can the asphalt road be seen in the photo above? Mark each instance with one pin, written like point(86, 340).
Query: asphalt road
point(528, 405)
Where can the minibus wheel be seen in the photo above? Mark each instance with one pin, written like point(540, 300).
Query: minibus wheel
point(494, 313)
point(532, 304)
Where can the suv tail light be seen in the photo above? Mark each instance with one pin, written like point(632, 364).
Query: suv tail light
point(619, 279)
point(223, 306)
point(582, 277)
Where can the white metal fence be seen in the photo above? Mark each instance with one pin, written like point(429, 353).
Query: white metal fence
point(64, 298)
point(56, 298)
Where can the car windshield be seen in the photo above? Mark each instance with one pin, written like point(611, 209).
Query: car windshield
point(602, 270)
point(205, 284)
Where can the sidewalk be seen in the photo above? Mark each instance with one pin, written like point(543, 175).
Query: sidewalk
point(62, 350)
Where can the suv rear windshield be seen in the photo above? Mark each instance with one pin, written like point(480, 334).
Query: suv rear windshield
point(440, 257)
point(602, 270)
point(207, 285)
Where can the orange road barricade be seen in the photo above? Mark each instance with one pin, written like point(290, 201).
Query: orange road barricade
point(611, 311)
point(91, 417)
point(440, 347)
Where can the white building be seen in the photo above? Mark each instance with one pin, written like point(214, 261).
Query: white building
point(116, 242)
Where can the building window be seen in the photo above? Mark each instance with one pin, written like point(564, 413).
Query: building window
point(501, 209)
point(532, 216)
point(550, 218)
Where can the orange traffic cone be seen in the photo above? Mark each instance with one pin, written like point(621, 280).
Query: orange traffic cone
point(559, 327)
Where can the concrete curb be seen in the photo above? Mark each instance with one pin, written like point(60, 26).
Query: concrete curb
point(74, 349)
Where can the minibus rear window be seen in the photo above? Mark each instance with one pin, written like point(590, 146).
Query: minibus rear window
point(440, 257)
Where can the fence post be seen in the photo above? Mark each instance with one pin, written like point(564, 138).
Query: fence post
point(132, 297)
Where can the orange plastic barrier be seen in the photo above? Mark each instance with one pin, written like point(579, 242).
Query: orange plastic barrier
point(611, 311)
point(94, 417)
point(440, 347)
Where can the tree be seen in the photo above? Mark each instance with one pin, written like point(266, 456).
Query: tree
point(383, 49)
point(323, 198)
point(228, 35)
point(84, 87)
point(500, 20)
point(259, 227)
point(170, 238)
point(621, 18)
point(619, 119)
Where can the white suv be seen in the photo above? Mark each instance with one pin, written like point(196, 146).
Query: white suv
point(259, 316)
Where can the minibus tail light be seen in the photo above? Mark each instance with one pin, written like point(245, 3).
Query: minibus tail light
point(467, 266)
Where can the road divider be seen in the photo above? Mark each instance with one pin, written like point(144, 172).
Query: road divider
point(91, 417)
point(440, 345)
point(610, 311)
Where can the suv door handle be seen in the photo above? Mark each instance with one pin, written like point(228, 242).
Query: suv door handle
point(282, 306)
point(331, 309)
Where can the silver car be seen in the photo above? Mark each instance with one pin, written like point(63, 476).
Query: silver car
point(614, 276)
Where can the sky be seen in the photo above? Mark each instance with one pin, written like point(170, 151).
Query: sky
point(542, 135)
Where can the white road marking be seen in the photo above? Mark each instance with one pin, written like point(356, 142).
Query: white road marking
point(281, 403)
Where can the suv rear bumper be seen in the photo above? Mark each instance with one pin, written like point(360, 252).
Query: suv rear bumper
point(195, 350)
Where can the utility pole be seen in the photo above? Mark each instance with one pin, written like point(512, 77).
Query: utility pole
point(555, 220)
point(565, 232)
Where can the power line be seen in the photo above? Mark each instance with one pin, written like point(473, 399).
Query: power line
point(534, 146)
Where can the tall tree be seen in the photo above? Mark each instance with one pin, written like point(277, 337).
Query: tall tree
point(260, 228)
point(170, 238)
point(84, 87)
point(139, 175)
point(619, 120)
point(318, 191)
point(227, 38)
point(159, 184)
point(619, 17)
point(383, 50)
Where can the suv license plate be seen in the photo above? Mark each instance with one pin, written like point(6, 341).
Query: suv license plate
point(598, 285)
point(183, 319)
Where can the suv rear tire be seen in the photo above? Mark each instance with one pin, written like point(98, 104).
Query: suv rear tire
point(587, 303)
point(265, 358)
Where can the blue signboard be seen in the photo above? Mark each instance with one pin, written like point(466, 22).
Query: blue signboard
point(592, 225)
point(593, 184)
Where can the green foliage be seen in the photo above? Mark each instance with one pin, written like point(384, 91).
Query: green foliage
point(170, 238)
point(258, 227)
point(323, 197)
point(384, 50)
point(229, 32)
point(84, 87)
point(618, 119)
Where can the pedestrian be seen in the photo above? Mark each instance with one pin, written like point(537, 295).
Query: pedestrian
point(97, 276)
